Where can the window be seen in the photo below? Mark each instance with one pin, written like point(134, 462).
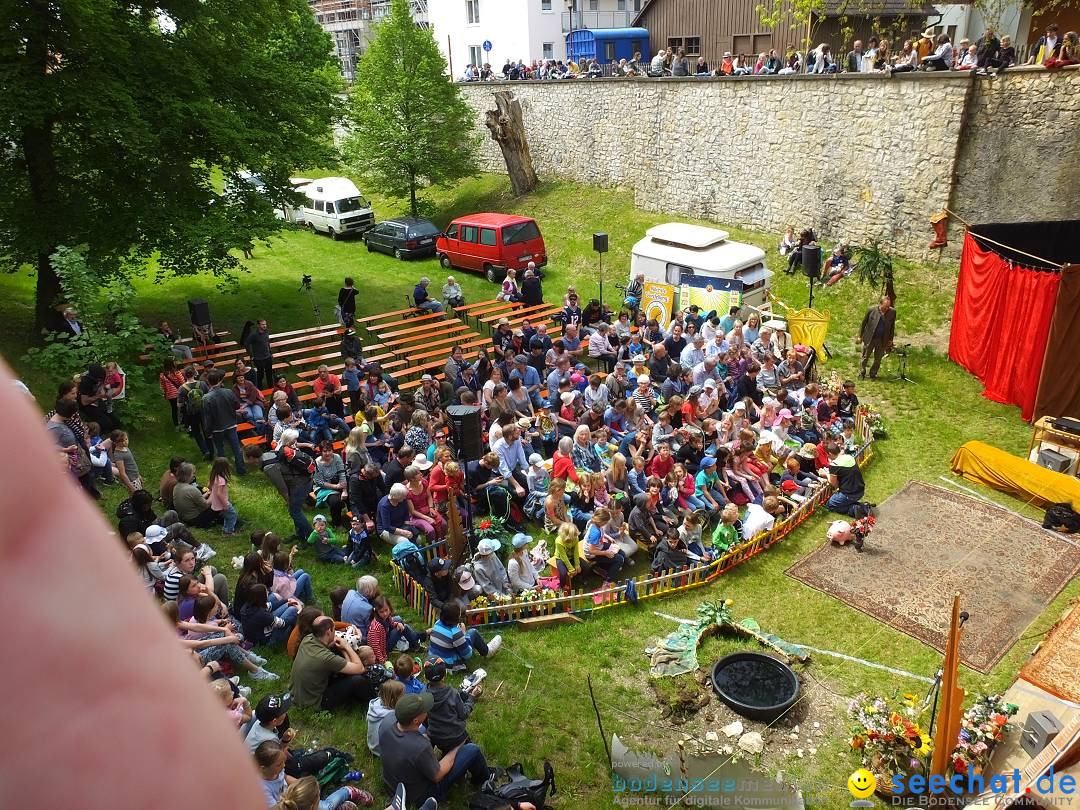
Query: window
point(487, 236)
point(635, 46)
point(423, 229)
point(621, 6)
point(693, 46)
point(521, 232)
point(674, 273)
point(468, 233)
point(637, 5)
point(320, 206)
point(674, 43)
point(545, 5)
point(549, 50)
point(476, 55)
point(609, 51)
point(451, 232)
point(594, 5)
point(472, 12)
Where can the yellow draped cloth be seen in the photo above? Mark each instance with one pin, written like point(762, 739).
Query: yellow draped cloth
point(809, 327)
point(980, 462)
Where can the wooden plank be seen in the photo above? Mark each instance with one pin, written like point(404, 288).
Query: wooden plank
point(517, 318)
point(499, 306)
point(462, 333)
point(379, 316)
point(533, 622)
point(394, 325)
point(522, 312)
point(477, 305)
point(428, 328)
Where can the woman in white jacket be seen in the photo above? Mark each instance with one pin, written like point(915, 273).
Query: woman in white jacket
point(519, 568)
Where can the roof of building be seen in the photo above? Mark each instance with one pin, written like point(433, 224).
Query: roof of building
point(836, 8)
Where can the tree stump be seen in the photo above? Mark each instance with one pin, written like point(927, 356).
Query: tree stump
point(508, 130)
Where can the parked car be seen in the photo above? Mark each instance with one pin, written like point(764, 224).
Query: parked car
point(333, 205)
point(490, 243)
point(403, 238)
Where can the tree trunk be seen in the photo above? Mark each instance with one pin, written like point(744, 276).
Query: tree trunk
point(508, 130)
point(40, 153)
point(412, 196)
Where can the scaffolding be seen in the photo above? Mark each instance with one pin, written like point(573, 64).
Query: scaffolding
point(351, 24)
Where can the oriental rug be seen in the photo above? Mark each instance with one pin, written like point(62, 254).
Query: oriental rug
point(1056, 665)
point(930, 543)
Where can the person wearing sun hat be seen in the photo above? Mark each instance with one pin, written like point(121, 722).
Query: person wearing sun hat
point(408, 757)
point(489, 570)
point(519, 569)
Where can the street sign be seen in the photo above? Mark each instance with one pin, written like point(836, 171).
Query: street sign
point(487, 44)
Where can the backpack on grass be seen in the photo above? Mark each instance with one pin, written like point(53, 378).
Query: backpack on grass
point(510, 785)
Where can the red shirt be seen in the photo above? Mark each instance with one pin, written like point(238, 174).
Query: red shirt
point(562, 467)
point(376, 639)
point(660, 467)
point(323, 389)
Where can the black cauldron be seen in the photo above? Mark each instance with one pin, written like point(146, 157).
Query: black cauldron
point(755, 685)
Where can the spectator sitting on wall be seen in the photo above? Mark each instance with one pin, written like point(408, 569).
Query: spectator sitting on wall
point(942, 57)
point(792, 62)
point(772, 63)
point(854, 61)
point(702, 67)
point(821, 60)
point(1069, 53)
point(969, 60)
point(656, 66)
point(908, 58)
point(637, 67)
point(1006, 56)
point(1048, 47)
point(680, 65)
point(486, 73)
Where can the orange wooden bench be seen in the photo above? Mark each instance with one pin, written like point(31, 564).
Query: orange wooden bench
point(427, 327)
point(520, 313)
point(502, 307)
point(381, 315)
point(477, 305)
point(460, 332)
point(538, 314)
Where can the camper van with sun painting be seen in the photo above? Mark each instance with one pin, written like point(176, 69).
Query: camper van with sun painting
point(691, 264)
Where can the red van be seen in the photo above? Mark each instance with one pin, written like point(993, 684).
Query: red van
point(490, 243)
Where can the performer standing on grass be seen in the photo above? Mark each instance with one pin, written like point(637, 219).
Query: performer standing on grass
point(876, 335)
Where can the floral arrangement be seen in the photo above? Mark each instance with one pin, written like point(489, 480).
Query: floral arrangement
point(875, 421)
point(492, 528)
point(888, 734)
point(981, 728)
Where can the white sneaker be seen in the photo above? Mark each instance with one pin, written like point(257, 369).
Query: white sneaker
point(493, 646)
point(255, 658)
point(263, 675)
point(245, 691)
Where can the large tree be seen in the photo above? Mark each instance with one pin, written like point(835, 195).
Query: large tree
point(117, 117)
point(410, 126)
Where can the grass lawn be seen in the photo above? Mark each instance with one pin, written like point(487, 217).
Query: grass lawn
point(927, 419)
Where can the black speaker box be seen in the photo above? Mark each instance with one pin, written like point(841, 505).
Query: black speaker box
point(199, 311)
point(599, 242)
point(465, 433)
point(811, 260)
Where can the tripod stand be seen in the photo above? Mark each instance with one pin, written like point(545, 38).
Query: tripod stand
point(901, 356)
point(305, 285)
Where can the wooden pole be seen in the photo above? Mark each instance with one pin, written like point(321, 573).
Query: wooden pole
point(952, 698)
point(455, 536)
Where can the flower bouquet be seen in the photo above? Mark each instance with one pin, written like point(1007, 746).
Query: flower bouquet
point(981, 728)
point(492, 528)
point(888, 736)
point(875, 421)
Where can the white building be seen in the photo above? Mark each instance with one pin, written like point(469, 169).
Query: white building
point(964, 21)
point(351, 24)
point(518, 29)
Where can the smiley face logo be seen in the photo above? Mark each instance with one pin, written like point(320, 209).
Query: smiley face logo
point(861, 783)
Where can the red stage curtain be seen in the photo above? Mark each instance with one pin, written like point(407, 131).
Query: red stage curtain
point(1001, 320)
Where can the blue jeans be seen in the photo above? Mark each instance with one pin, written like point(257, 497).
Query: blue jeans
point(254, 412)
point(334, 556)
point(229, 518)
point(279, 635)
point(229, 434)
point(431, 306)
point(297, 498)
point(304, 591)
point(694, 502)
point(338, 797)
point(839, 502)
point(395, 635)
point(469, 760)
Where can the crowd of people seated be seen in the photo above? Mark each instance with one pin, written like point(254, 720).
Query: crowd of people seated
point(618, 437)
point(930, 50)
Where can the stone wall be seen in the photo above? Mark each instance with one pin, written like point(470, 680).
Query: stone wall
point(855, 156)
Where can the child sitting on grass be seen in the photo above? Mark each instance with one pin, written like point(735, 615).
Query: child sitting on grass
point(299, 794)
point(358, 550)
point(290, 582)
point(386, 630)
point(405, 669)
point(236, 707)
point(382, 707)
point(212, 643)
point(727, 533)
point(325, 543)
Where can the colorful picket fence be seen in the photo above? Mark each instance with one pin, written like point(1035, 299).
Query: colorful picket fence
point(646, 586)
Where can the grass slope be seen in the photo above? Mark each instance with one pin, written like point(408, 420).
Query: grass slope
point(552, 719)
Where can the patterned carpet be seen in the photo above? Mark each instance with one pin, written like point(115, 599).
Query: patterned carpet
point(930, 543)
point(1056, 666)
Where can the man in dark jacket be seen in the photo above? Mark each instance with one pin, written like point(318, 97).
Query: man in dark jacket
point(262, 356)
point(293, 485)
point(446, 720)
point(219, 407)
point(876, 335)
point(532, 292)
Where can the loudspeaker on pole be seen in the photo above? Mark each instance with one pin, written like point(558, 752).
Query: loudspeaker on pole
point(599, 242)
point(465, 432)
point(199, 311)
point(811, 261)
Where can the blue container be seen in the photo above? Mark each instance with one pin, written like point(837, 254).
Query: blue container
point(607, 45)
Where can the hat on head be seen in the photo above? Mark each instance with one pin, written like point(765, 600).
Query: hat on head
point(421, 463)
point(438, 565)
point(695, 390)
point(522, 358)
point(708, 461)
point(535, 459)
point(739, 406)
point(784, 414)
point(638, 358)
point(272, 707)
point(766, 437)
point(524, 422)
point(727, 54)
point(317, 518)
point(504, 322)
point(567, 397)
point(434, 670)
point(808, 450)
point(928, 33)
point(427, 378)
point(709, 383)
point(155, 533)
point(412, 705)
point(465, 580)
point(521, 540)
point(488, 545)
point(519, 333)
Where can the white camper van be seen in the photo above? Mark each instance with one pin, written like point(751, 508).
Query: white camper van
point(691, 264)
point(334, 205)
